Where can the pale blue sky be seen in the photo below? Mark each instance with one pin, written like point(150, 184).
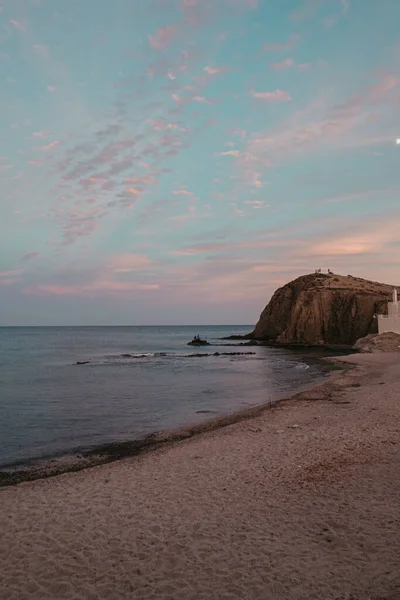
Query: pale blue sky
point(174, 161)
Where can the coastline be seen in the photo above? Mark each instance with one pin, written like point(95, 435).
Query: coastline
point(298, 503)
point(86, 458)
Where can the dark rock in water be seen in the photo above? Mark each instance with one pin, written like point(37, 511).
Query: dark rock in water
point(83, 362)
point(250, 343)
point(320, 309)
point(220, 354)
point(198, 341)
point(236, 353)
point(237, 337)
point(126, 355)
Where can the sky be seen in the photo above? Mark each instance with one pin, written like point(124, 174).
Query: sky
point(175, 161)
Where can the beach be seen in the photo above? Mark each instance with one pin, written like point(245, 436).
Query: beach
point(300, 502)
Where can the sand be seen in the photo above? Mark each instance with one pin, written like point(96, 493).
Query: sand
point(301, 503)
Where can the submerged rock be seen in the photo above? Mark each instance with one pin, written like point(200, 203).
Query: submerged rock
point(323, 309)
point(83, 362)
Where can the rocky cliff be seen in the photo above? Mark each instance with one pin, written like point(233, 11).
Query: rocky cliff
point(319, 308)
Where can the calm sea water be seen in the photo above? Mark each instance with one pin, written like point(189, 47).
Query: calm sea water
point(49, 405)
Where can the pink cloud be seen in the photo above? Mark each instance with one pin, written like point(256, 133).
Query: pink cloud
point(122, 286)
point(285, 64)
point(97, 286)
point(231, 153)
point(41, 49)
point(127, 263)
point(346, 5)
point(201, 99)
point(214, 70)
point(163, 37)
point(17, 25)
point(54, 289)
point(329, 21)
point(9, 277)
point(51, 89)
point(342, 126)
point(49, 146)
point(306, 11)
point(284, 47)
point(381, 90)
point(41, 134)
point(183, 192)
point(276, 96)
point(30, 255)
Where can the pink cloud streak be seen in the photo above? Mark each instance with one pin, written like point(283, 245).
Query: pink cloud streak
point(163, 37)
point(276, 96)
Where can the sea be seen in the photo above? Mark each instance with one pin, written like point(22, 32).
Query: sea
point(136, 381)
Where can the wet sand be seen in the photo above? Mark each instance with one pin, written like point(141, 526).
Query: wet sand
point(301, 502)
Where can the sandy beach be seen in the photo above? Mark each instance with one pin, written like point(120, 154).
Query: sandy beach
point(301, 502)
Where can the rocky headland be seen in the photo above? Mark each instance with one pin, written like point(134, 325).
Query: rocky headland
point(323, 309)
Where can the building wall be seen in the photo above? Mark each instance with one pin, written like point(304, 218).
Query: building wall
point(386, 324)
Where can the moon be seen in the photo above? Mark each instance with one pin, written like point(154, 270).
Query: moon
point(398, 141)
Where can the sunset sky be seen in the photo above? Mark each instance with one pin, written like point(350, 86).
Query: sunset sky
point(175, 161)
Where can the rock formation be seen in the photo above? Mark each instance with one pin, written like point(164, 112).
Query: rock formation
point(323, 309)
point(385, 342)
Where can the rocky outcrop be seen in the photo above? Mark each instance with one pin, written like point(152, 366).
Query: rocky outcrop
point(385, 342)
point(323, 309)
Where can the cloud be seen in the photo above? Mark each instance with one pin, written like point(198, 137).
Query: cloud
point(366, 238)
point(30, 255)
point(9, 277)
point(231, 153)
point(285, 64)
point(306, 11)
point(388, 82)
point(51, 89)
point(17, 25)
point(41, 134)
point(283, 47)
point(119, 274)
point(346, 5)
point(183, 192)
point(201, 99)
point(97, 286)
point(333, 18)
point(342, 125)
point(42, 50)
point(50, 146)
point(214, 70)
point(163, 37)
point(128, 263)
point(276, 96)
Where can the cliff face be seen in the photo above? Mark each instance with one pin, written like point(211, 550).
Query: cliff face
point(319, 308)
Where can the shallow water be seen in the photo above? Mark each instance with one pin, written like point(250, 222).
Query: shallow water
point(139, 380)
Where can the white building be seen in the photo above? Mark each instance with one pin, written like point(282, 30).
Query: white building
point(391, 321)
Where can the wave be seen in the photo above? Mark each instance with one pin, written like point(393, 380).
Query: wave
point(121, 358)
point(301, 366)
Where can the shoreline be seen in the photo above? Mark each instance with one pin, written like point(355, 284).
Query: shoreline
point(87, 458)
point(299, 502)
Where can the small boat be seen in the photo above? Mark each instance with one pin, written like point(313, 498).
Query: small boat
point(198, 341)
